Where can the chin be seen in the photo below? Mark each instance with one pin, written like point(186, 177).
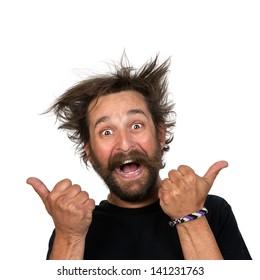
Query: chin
point(133, 191)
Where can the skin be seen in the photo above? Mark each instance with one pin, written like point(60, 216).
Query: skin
point(120, 122)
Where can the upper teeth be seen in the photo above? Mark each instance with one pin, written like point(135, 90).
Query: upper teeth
point(127, 161)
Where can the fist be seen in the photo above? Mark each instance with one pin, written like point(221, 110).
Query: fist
point(184, 192)
point(69, 206)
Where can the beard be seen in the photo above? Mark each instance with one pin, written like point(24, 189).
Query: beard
point(136, 190)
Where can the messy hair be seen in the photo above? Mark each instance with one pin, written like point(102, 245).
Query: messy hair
point(150, 80)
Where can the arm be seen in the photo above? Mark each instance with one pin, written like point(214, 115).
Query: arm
point(197, 241)
point(185, 192)
point(71, 210)
point(67, 248)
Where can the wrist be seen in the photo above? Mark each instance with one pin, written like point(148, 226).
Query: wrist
point(190, 217)
point(68, 246)
point(69, 237)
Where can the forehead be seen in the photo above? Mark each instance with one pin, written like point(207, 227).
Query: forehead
point(117, 103)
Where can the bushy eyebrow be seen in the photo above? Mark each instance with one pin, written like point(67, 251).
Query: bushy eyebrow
point(136, 111)
point(100, 120)
point(130, 112)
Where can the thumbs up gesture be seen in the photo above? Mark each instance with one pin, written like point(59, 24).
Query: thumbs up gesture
point(184, 192)
point(70, 207)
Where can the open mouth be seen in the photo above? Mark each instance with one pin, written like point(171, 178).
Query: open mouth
point(129, 167)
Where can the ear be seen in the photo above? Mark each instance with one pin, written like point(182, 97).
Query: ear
point(87, 151)
point(162, 135)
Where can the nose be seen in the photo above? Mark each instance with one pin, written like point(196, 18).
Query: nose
point(125, 141)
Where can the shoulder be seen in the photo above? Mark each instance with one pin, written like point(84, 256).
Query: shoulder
point(219, 210)
point(214, 201)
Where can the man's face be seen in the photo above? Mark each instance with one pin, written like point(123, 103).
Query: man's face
point(124, 147)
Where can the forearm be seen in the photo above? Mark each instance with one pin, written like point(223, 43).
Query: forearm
point(197, 241)
point(68, 248)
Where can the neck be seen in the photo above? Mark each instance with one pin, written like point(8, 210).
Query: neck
point(153, 197)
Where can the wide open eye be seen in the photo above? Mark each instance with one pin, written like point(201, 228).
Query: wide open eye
point(136, 126)
point(107, 132)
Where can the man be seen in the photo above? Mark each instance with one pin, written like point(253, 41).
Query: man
point(121, 124)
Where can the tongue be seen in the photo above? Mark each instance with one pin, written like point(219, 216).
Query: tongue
point(128, 168)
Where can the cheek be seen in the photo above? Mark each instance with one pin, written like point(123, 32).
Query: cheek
point(102, 152)
point(149, 142)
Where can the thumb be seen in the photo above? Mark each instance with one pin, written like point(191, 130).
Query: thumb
point(213, 171)
point(39, 187)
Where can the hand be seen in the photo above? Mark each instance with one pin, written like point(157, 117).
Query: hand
point(185, 192)
point(69, 206)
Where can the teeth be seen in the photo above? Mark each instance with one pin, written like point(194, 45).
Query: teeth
point(121, 168)
point(128, 161)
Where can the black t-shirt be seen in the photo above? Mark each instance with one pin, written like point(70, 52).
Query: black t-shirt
point(144, 233)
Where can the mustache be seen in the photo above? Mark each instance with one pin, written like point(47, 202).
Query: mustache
point(136, 157)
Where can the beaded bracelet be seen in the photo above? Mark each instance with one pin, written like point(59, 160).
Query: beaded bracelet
point(193, 216)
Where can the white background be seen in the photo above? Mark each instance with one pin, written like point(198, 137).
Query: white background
point(47, 46)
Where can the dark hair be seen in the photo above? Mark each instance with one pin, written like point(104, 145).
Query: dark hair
point(150, 80)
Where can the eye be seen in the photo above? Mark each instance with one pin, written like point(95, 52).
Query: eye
point(107, 132)
point(136, 126)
